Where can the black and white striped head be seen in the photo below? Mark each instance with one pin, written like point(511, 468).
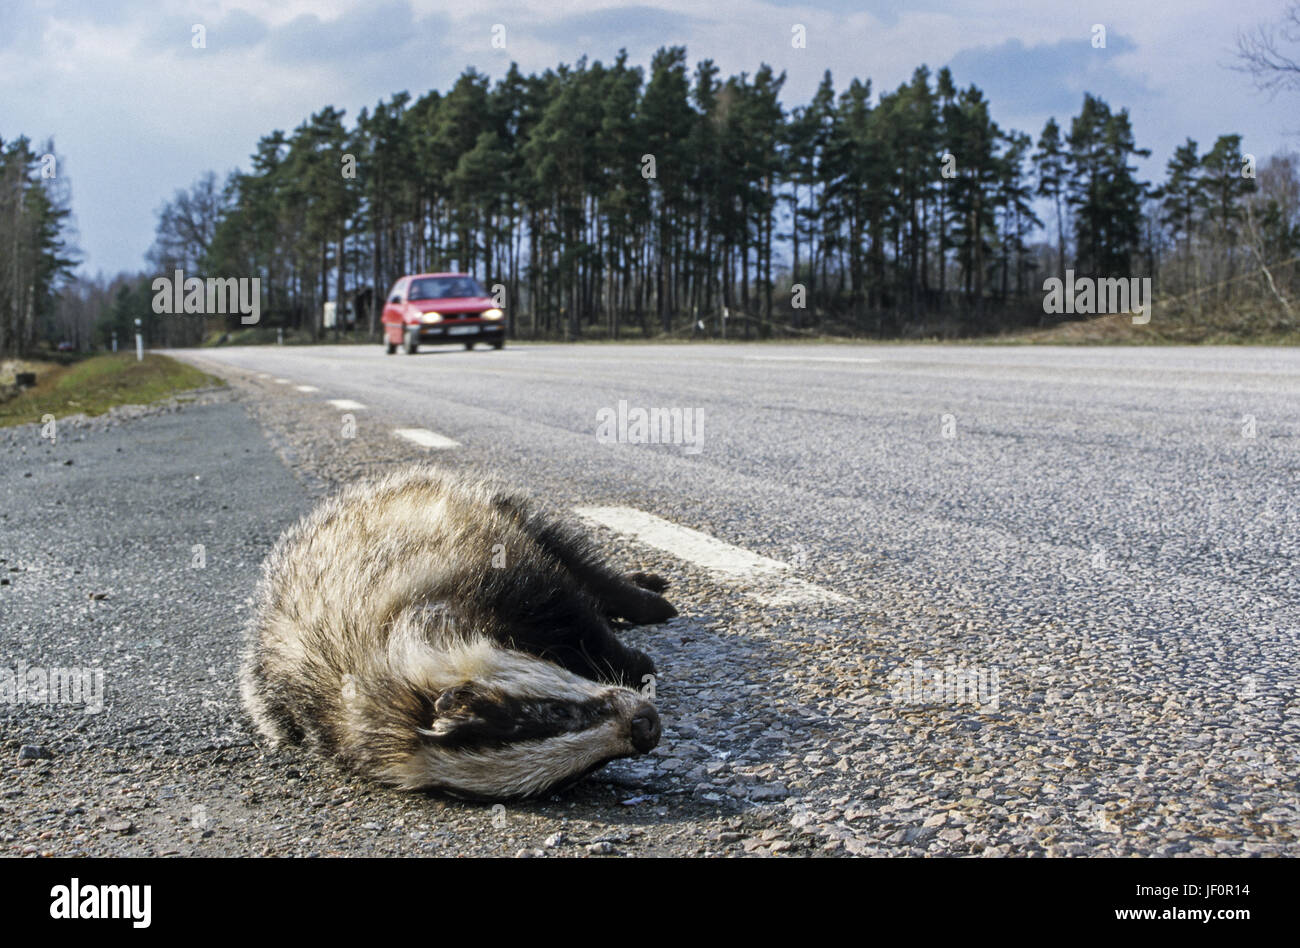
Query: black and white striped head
point(508, 724)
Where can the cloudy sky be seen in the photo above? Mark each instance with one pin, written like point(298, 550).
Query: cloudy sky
point(137, 112)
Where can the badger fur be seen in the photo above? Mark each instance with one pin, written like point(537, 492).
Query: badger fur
point(432, 632)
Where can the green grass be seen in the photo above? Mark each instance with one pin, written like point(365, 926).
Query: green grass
point(99, 383)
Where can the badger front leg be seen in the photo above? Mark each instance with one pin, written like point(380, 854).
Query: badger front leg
point(635, 597)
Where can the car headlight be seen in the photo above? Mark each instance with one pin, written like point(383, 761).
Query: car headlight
point(431, 317)
point(492, 314)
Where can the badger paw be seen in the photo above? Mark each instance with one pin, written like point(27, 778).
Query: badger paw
point(637, 670)
point(648, 609)
point(651, 581)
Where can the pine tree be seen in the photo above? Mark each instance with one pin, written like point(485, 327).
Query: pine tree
point(1103, 190)
point(36, 250)
point(1051, 168)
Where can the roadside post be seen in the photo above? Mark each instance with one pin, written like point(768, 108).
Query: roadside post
point(139, 342)
point(114, 340)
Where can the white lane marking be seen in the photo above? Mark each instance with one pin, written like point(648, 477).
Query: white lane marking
point(730, 563)
point(263, 375)
point(346, 404)
point(426, 438)
point(846, 359)
point(307, 388)
point(683, 542)
point(281, 381)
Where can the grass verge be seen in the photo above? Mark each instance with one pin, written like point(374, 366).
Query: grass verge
point(1120, 331)
point(95, 385)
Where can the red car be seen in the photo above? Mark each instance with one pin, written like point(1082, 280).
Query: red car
point(441, 307)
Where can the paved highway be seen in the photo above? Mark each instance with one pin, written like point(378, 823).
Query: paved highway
point(935, 599)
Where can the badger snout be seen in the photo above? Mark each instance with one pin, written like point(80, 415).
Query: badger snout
point(645, 728)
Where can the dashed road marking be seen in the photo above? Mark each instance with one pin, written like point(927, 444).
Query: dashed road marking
point(769, 579)
point(845, 359)
point(281, 381)
point(426, 438)
point(346, 404)
point(307, 388)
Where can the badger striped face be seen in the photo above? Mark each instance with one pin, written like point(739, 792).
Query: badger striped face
point(513, 725)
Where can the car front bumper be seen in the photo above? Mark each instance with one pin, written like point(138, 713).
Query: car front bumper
point(459, 332)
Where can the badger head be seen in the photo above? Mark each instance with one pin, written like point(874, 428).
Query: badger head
point(506, 724)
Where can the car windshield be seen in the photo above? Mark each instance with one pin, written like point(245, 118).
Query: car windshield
point(443, 288)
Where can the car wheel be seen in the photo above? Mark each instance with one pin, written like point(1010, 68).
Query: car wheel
point(412, 346)
point(499, 344)
point(469, 344)
point(390, 347)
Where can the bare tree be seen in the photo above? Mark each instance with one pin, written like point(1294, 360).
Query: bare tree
point(187, 224)
point(1271, 53)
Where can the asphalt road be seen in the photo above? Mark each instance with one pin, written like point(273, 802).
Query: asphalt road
point(1104, 541)
point(840, 454)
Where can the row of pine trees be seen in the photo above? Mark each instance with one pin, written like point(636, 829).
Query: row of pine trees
point(602, 197)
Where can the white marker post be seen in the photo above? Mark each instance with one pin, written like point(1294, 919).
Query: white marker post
point(114, 340)
point(139, 343)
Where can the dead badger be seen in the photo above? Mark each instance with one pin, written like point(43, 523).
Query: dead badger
point(430, 632)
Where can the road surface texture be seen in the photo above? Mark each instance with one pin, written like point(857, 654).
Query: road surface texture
point(934, 600)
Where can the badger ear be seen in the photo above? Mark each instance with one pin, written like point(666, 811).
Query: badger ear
point(454, 700)
point(452, 710)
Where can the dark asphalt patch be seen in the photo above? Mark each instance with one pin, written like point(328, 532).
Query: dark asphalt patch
point(134, 549)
